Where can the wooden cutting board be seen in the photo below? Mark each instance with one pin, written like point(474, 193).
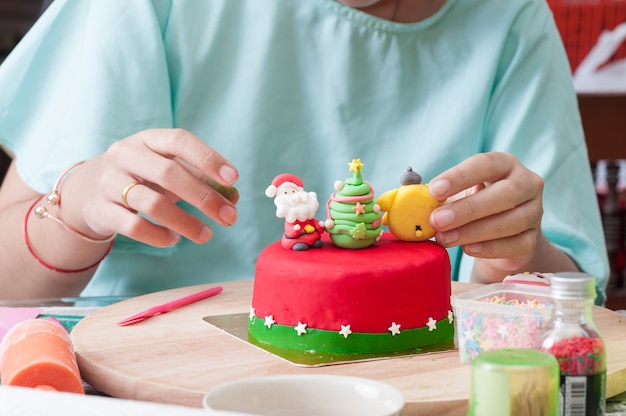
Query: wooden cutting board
point(178, 357)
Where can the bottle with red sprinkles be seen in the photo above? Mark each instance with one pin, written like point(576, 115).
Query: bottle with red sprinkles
point(577, 345)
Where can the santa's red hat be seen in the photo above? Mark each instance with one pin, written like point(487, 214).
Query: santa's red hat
point(281, 179)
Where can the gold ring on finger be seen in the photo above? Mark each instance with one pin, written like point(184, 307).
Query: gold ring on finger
point(125, 195)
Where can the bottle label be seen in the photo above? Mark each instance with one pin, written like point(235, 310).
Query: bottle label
point(583, 395)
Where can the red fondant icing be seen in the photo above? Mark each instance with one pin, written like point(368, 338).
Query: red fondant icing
point(391, 281)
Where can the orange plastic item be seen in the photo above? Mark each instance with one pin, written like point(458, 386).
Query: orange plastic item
point(38, 353)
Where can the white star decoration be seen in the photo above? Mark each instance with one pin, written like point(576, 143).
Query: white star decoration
point(301, 328)
point(345, 330)
point(502, 331)
point(269, 321)
point(394, 328)
point(432, 324)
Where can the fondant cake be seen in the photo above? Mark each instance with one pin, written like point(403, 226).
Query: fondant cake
point(393, 296)
point(380, 296)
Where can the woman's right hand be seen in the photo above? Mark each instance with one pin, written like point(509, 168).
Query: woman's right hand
point(168, 165)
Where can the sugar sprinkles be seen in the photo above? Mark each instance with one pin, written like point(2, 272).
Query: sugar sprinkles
point(528, 303)
point(480, 331)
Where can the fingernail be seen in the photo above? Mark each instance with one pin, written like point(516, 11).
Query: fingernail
point(442, 218)
point(448, 238)
point(228, 174)
point(174, 238)
point(438, 188)
point(228, 214)
point(205, 234)
point(475, 248)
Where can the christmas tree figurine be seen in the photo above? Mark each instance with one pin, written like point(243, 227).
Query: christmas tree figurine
point(353, 219)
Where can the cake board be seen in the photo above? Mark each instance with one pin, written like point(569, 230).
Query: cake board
point(177, 357)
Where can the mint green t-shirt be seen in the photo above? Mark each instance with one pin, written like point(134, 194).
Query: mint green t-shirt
point(301, 87)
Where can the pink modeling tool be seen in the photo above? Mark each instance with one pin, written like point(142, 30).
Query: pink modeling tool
point(170, 306)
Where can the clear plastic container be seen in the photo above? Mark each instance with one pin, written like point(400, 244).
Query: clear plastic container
point(499, 315)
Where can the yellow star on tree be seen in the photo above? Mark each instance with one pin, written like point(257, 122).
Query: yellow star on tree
point(356, 165)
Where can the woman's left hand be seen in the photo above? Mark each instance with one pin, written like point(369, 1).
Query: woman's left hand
point(493, 210)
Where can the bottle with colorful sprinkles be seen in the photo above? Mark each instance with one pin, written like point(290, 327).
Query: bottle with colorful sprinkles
point(573, 339)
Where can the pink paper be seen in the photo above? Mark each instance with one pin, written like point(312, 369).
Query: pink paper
point(11, 316)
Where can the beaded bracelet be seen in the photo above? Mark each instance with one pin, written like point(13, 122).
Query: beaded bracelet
point(45, 264)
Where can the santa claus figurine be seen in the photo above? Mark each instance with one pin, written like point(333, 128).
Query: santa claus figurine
point(298, 208)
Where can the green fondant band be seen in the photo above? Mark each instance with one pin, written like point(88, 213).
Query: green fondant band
point(349, 223)
point(347, 232)
point(349, 206)
point(346, 229)
point(350, 189)
point(368, 217)
point(319, 340)
point(344, 239)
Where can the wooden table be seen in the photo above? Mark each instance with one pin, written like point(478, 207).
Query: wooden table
point(177, 357)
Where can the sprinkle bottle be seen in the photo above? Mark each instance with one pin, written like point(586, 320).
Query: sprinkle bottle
point(577, 345)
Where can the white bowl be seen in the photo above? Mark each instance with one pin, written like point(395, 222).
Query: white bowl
point(306, 395)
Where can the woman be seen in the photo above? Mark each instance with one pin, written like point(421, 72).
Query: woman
point(169, 103)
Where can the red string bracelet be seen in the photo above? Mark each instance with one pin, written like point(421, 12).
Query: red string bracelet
point(41, 261)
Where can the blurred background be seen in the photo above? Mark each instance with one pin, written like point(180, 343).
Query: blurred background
point(16, 17)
